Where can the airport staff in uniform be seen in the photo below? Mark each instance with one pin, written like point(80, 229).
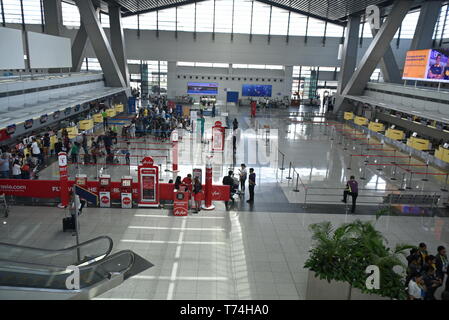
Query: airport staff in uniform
point(252, 185)
point(352, 189)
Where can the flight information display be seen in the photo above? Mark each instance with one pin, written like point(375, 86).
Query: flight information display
point(256, 90)
point(202, 88)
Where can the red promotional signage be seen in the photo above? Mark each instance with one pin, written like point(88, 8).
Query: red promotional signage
point(253, 108)
point(148, 176)
point(181, 203)
point(208, 190)
point(63, 179)
point(218, 137)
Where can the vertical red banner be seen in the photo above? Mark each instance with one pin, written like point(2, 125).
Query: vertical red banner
point(174, 139)
point(63, 179)
point(208, 192)
point(253, 108)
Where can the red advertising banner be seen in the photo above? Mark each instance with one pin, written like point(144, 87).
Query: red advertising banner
point(4, 135)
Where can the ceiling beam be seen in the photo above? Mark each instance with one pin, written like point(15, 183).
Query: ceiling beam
point(177, 4)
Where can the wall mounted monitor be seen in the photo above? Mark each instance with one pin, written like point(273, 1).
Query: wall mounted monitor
point(28, 124)
point(11, 129)
point(426, 65)
point(256, 90)
point(202, 88)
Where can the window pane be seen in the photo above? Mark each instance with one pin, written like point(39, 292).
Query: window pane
point(185, 64)
point(279, 21)
point(297, 25)
point(130, 22)
point(32, 11)
point(147, 21)
point(13, 13)
point(409, 25)
point(223, 16)
point(204, 16)
point(334, 30)
point(186, 17)
point(242, 16)
point(70, 15)
point(221, 65)
point(104, 20)
point(167, 19)
point(261, 18)
point(316, 28)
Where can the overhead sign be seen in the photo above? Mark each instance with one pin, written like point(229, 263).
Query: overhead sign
point(28, 123)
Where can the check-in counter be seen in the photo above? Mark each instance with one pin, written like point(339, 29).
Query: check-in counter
point(72, 131)
point(376, 126)
point(98, 118)
point(418, 144)
point(110, 113)
point(86, 124)
point(119, 108)
point(361, 121)
point(442, 154)
point(348, 116)
point(395, 134)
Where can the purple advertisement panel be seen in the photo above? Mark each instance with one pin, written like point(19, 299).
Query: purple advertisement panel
point(438, 68)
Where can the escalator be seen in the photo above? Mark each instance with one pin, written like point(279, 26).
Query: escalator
point(35, 273)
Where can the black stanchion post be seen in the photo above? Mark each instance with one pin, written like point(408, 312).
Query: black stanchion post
point(402, 182)
point(282, 165)
point(410, 180)
point(394, 170)
point(445, 184)
point(426, 177)
point(350, 161)
point(364, 171)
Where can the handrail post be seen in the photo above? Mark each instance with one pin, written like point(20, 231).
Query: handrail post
point(445, 184)
point(282, 166)
point(289, 171)
point(297, 182)
point(305, 198)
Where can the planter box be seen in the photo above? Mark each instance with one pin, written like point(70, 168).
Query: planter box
point(318, 289)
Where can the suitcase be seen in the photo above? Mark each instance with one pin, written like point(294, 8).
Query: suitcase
point(68, 224)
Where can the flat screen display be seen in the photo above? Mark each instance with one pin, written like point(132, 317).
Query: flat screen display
point(426, 65)
point(202, 88)
point(256, 90)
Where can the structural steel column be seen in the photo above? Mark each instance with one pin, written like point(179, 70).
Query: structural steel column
point(388, 65)
point(377, 49)
point(118, 40)
point(53, 17)
point(428, 17)
point(78, 48)
point(349, 53)
point(103, 51)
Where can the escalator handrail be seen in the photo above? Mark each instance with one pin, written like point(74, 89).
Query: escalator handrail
point(108, 251)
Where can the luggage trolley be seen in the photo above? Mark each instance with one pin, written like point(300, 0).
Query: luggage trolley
point(4, 205)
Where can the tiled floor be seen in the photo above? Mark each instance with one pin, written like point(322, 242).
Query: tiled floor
point(248, 252)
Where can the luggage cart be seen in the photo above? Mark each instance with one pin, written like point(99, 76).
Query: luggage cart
point(4, 205)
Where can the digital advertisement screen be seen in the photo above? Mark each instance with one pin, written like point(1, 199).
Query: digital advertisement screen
point(202, 88)
point(426, 65)
point(256, 90)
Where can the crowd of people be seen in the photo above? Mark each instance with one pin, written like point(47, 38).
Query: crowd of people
point(426, 273)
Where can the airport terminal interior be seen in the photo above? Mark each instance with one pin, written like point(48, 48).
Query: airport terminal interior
point(224, 150)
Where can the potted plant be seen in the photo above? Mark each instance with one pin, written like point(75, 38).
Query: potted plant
point(342, 255)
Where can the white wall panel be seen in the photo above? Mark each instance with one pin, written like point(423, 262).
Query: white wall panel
point(49, 51)
point(11, 54)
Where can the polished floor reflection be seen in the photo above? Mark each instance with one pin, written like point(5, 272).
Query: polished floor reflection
point(251, 251)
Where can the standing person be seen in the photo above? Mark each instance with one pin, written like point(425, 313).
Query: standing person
point(25, 171)
point(74, 152)
point(441, 263)
point(242, 174)
point(132, 130)
point(58, 146)
point(202, 120)
point(353, 190)
point(431, 282)
point(252, 185)
point(105, 120)
point(187, 181)
point(127, 154)
point(422, 250)
point(94, 150)
point(178, 183)
point(4, 166)
point(213, 110)
point(415, 287)
point(16, 171)
point(229, 181)
point(235, 124)
point(84, 143)
point(46, 144)
point(198, 193)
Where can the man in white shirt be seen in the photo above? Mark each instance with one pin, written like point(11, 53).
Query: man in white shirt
point(35, 148)
point(415, 292)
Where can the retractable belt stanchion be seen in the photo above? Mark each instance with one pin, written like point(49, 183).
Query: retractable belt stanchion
point(395, 167)
point(427, 173)
point(63, 179)
point(363, 177)
point(208, 192)
point(445, 184)
point(350, 161)
point(289, 177)
point(401, 187)
point(297, 183)
point(410, 180)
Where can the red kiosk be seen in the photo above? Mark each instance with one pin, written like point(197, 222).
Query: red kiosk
point(126, 192)
point(253, 108)
point(81, 180)
point(218, 137)
point(105, 191)
point(148, 175)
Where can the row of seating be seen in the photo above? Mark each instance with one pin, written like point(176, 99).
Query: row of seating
point(420, 199)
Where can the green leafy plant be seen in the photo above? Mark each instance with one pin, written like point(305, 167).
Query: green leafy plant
point(343, 253)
